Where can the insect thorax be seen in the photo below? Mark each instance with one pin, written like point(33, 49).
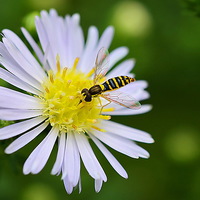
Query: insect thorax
point(95, 90)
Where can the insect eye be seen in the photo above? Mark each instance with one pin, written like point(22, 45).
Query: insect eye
point(84, 91)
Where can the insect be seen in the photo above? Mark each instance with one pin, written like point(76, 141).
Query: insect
point(106, 89)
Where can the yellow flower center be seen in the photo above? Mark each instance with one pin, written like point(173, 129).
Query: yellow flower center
point(64, 104)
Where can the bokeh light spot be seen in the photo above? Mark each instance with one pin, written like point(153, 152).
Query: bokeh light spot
point(39, 192)
point(182, 144)
point(29, 21)
point(132, 19)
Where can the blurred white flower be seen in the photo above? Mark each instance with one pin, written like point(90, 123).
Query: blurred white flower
point(53, 81)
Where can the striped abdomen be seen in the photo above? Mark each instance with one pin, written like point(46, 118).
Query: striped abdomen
point(116, 82)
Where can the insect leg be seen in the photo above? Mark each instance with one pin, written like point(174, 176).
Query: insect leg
point(102, 106)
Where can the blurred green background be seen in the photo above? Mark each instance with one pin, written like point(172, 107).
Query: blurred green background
point(164, 37)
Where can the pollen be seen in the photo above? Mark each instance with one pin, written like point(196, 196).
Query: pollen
point(63, 101)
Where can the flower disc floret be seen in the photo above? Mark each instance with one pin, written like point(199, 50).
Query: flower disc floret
point(64, 104)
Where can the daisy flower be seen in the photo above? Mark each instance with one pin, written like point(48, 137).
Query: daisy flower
point(50, 81)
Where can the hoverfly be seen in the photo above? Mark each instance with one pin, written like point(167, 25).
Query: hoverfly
point(106, 89)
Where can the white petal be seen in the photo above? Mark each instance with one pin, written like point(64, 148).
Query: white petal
point(87, 59)
point(46, 62)
point(117, 55)
point(25, 53)
point(72, 160)
point(104, 41)
point(106, 38)
point(12, 79)
point(77, 165)
point(119, 144)
point(21, 59)
point(15, 114)
point(111, 159)
point(42, 34)
point(68, 185)
point(11, 65)
point(89, 159)
point(44, 40)
point(20, 127)
point(40, 155)
point(68, 23)
point(52, 26)
point(33, 44)
point(98, 184)
point(13, 99)
point(78, 38)
point(60, 39)
point(68, 157)
point(122, 69)
point(74, 33)
point(122, 145)
point(134, 86)
point(127, 132)
point(60, 155)
point(139, 94)
point(127, 111)
point(25, 139)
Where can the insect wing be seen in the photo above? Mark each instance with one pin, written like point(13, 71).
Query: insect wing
point(101, 64)
point(122, 99)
